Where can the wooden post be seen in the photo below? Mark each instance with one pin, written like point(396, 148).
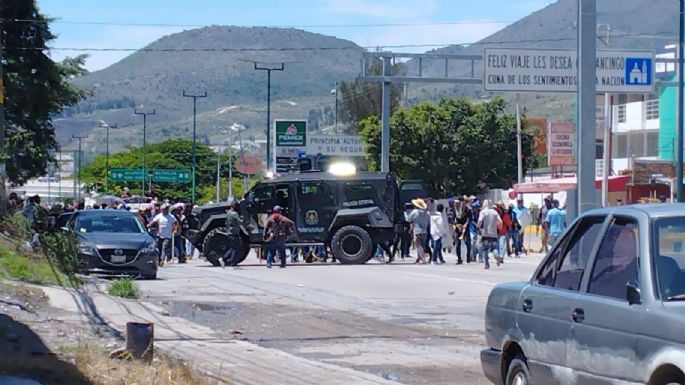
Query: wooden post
point(140, 338)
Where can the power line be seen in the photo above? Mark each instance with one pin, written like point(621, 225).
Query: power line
point(666, 34)
point(375, 25)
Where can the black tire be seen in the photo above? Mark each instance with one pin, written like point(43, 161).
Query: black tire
point(244, 249)
point(518, 373)
point(352, 245)
point(152, 276)
point(215, 245)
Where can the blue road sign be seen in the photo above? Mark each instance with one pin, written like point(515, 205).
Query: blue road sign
point(638, 71)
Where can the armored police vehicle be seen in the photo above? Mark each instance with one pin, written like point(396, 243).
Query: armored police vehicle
point(350, 214)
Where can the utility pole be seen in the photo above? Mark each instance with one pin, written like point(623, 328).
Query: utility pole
point(78, 175)
point(268, 69)
point(107, 127)
point(585, 129)
point(218, 175)
point(519, 146)
point(606, 154)
point(3, 167)
point(385, 127)
point(230, 167)
point(238, 128)
point(186, 95)
point(335, 91)
point(681, 100)
point(59, 168)
point(144, 114)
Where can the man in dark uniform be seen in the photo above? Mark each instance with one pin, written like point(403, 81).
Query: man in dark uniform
point(233, 224)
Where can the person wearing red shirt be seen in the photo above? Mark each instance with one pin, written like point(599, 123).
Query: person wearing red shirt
point(504, 231)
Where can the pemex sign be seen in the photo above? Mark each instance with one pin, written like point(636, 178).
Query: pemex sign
point(291, 133)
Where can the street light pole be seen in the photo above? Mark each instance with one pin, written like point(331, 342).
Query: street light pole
point(681, 100)
point(186, 95)
point(107, 127)
point(335, 91)
point(144, 114)
point(238, 128)
point(78, 176)
point(268, 69)
point(230, 167)
point(218, 174)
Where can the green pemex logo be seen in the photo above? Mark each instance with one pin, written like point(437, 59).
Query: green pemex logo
point(291, 133)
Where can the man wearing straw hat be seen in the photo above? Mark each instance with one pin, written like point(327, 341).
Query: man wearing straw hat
point(419, 220)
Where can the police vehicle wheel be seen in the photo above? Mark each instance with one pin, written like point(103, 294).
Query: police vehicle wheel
point(244, 250)
point(352, 245)
point(215, 245)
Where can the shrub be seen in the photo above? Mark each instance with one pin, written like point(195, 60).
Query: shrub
point(61, 249)
point(17, 227)
point(124, 288)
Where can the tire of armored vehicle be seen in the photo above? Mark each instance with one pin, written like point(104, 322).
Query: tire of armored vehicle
point(352, 245)
point(215, 246)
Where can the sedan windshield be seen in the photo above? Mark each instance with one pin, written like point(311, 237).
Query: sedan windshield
point(670, 258)
point(107, 221)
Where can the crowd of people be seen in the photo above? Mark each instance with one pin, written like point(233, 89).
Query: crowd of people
point(474, 231)
point(478, 229)
point(166, 221)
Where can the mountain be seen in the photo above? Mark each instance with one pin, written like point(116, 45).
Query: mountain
point(622, 24)
point(218, 60)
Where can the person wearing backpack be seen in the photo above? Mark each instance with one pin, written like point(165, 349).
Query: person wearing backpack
point(278, 228)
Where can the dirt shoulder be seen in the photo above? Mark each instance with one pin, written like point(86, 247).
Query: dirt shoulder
point(52, 346)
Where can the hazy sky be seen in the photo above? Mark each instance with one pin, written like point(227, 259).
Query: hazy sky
point(134, 24)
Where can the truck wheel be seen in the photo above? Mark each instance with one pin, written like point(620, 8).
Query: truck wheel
point(518, 373)
point(215, 245)
point(352, 245)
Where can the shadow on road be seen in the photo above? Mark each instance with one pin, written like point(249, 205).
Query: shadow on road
point(24, 354)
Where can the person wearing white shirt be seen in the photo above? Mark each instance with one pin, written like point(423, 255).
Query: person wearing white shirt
point(523, 219)
point(166, 223)
point(438, 232)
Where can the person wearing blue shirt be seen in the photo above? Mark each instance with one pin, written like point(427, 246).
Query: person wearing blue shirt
point(556, 223)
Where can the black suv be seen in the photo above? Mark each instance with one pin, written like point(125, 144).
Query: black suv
point(351, 214)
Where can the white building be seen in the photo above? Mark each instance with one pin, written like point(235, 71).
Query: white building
point(635, 131)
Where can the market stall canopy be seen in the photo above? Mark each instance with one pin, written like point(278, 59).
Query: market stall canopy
point(616, 184)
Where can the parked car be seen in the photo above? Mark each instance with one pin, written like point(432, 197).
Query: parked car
point(606, 305)
point(114, 242)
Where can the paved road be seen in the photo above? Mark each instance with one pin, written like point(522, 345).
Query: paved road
point(403, 322)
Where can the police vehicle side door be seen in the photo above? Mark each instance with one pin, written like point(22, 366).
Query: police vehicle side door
point(316, 209)
point(261, 200)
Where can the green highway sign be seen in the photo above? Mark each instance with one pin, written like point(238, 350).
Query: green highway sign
point(174, 175)
point(125, 174)
point(291, 133)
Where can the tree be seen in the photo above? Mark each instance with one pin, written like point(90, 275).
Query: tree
point(361, 98)
point(455, 145)
point(36, 88)
point(174, 153)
